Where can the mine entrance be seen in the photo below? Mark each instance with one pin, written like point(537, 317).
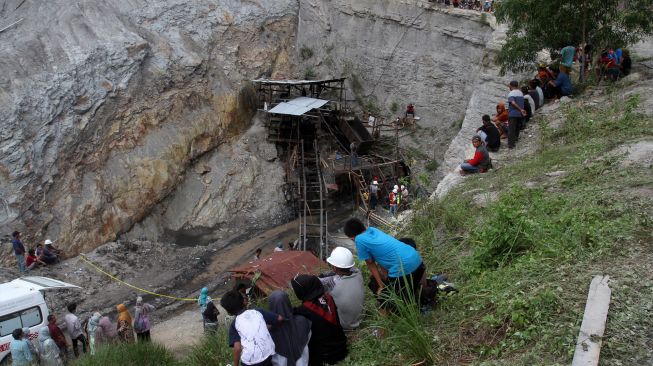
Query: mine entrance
point(331, 156)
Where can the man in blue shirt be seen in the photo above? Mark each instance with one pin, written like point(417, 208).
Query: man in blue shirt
point(378, 249)
point(19, 251)
point(516, 113)
point(567, 54)
point(561, 86)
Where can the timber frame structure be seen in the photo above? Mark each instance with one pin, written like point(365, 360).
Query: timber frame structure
point(314, 129)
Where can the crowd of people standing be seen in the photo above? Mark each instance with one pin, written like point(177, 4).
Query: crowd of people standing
point(331, 304)
point(52, 347)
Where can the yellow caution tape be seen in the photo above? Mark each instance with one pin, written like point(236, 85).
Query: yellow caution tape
point(113, 277)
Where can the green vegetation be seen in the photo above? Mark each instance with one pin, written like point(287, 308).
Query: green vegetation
point(305, 53)
point(213, 350)
point(310, 73)
point(535, 25)
point(424, 179)
point(394, 107)
point(522, 260)
point(484, 19)
point(431, 165)
point(145, 354)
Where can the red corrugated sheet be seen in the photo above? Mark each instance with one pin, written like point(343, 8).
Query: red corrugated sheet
point(278, 268)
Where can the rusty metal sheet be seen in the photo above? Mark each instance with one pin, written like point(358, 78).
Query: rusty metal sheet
point(278, 268)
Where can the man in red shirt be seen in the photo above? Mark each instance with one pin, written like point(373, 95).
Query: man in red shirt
point(32, 260)
point(410, 109)
point(481, 161)
point(392, 197)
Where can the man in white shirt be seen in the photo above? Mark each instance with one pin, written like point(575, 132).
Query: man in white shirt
point(346, 287)
point(74, 328)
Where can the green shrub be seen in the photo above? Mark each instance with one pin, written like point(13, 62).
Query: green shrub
point(142, 354)
point(431, 165)
point(306, 53)
point(484, 19)
point(213, 350)
point(310, 73)
point(394, 107)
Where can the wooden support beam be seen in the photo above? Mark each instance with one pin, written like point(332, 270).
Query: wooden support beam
point(590, 337)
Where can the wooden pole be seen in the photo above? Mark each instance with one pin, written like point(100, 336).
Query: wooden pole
point(590, 337)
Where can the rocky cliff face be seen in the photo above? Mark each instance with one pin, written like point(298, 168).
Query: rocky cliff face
point(109, 107)
point(395, 53)
point(131, 117)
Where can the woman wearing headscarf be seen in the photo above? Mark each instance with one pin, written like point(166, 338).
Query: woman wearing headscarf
point(124, 327)
point(31, 344)
point(48, 350)
point(501, 119)
point(92, 330)
point(142, 320)
point(328, 342)
point(292, 335)
point(204, 299)
point(106, 331)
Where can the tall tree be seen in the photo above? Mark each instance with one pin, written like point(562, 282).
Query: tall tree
point(535, 25)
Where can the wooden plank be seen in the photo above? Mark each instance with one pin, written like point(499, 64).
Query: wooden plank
point(590, 337)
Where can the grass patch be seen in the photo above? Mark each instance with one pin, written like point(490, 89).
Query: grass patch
point(146, 354)
point(305, 53)
point(523, 263)
point(310, 73)
point(213, 350)
point(394, 107)
point(431, 165)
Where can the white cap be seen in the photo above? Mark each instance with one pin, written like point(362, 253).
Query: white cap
point(48, 242)
point(396, 187)
point(375, 182)
point(341, 258)
point(402, 186)
point(395, 190)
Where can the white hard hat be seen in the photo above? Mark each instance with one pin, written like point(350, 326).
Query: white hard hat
point(396, 187)
point(395, 190)
point(341, 258)
point(375, 182)
point(48, 242)
point(402, 186)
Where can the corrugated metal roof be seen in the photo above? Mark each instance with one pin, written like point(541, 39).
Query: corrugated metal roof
point(279, 268)
point(298, 106)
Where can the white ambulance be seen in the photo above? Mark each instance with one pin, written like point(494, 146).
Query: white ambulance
point(23, 304)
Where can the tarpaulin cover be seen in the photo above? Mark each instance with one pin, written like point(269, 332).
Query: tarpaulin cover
point(278, 268)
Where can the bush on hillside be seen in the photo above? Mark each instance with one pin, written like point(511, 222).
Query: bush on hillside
point(142, 354)
point(213, 350)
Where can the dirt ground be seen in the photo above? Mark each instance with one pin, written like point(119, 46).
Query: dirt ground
point(163, 268)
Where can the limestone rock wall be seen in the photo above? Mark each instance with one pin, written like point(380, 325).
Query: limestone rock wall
point(107, 105)
point(397, 52)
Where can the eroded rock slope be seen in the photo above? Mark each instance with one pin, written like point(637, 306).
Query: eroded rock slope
point(107, 104)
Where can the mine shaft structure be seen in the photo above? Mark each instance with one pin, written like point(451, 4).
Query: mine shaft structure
point(313, 128)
